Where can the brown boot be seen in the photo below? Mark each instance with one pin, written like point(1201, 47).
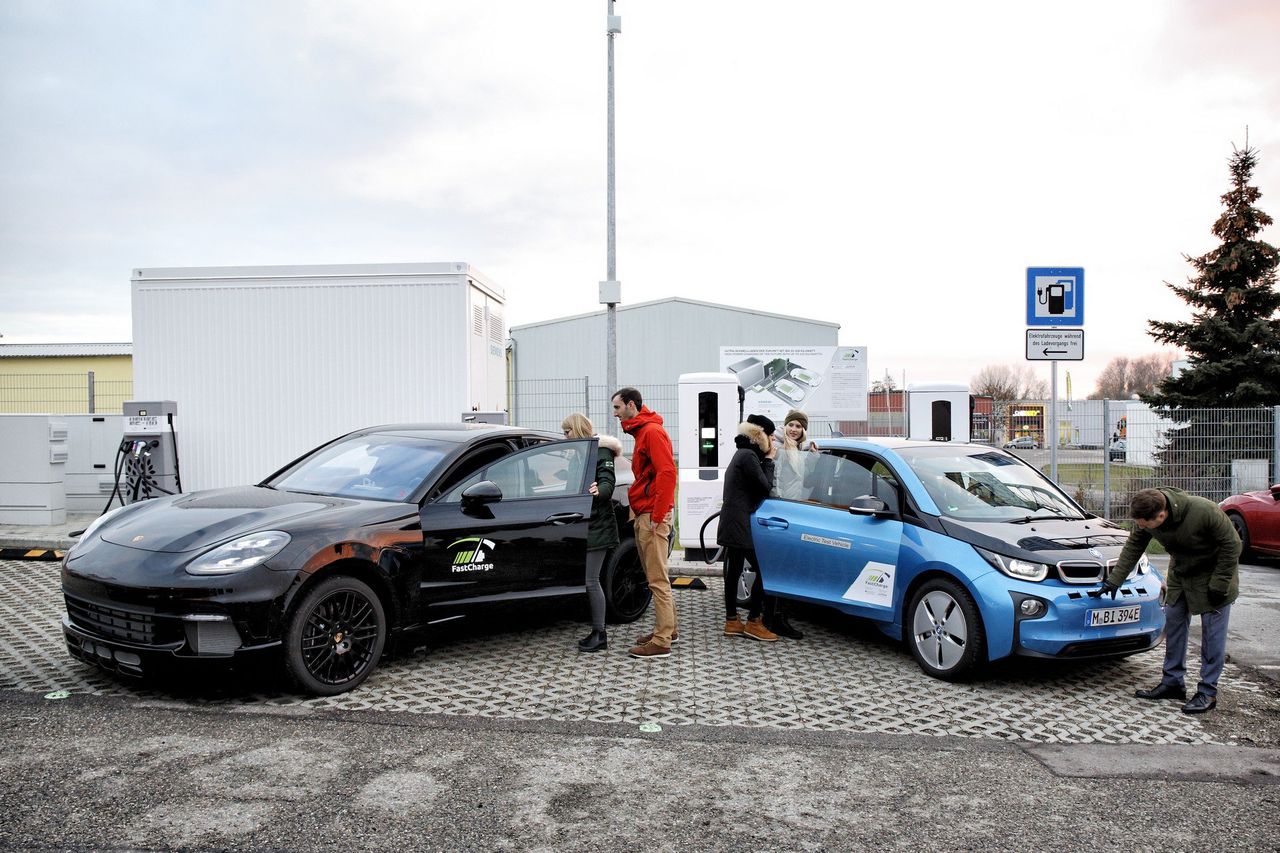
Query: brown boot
point(648, 638)
point(734, 627)
point(757, 631)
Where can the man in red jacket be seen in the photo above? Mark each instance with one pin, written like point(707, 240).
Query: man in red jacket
point(652, 495)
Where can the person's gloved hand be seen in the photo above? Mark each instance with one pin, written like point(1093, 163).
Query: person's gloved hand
point(1107, 587)
point(1217, 599)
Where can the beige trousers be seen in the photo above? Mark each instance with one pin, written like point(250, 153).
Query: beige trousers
point(652, 542)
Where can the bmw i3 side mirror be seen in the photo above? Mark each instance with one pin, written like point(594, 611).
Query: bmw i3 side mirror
point(481, 493)
point(868, 505)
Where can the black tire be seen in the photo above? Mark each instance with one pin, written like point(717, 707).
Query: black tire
point(626, 589)
point(943, 629)
point(335, 636)
point(1242, 530)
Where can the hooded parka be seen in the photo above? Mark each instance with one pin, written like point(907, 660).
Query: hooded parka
point(1204, 551)
point(747, 482)
point(603, 529)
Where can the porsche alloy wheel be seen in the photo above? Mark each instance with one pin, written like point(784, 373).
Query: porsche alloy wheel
point(335, 636)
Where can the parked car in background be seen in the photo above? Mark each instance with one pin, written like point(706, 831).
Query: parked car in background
point(964, 552)
point(1118, 451)
point(373, 536)
point(1022, 442)
point(1256, 517)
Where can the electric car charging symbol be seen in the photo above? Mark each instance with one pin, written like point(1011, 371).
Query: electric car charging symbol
point(1057, 297)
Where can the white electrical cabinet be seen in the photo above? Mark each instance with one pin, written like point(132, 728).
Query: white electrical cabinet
point(31, 470)
point(265, 363)
point(93, 442)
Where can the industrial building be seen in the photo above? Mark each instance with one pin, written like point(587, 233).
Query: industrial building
point(559, 363)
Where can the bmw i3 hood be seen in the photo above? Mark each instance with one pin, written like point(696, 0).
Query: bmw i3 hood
point(203, 519)
point(1043, 541)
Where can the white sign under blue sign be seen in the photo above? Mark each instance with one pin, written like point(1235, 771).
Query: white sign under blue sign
point(1055, 296)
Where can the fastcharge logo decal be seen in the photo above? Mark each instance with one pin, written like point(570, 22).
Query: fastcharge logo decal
point(873, 586)
point(470, 555)
point(830, 543)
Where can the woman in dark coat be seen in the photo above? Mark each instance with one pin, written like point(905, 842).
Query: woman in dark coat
point(602, 532)
point(747, 482)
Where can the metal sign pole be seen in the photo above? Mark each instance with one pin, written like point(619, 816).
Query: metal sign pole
point(1053, 421)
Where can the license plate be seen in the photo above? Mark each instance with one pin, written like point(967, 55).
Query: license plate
point(1114, 616)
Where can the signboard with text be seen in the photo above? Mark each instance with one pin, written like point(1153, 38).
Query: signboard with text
point(827, 383)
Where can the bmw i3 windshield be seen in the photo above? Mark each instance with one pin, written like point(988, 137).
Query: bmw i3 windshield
point(987, 486)
point(378, 466)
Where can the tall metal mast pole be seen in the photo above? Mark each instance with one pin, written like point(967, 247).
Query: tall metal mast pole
point(610, 291)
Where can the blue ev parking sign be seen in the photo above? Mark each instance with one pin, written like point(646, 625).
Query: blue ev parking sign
point(1055, 296)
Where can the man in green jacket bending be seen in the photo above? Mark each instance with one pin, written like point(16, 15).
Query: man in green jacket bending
point(1202, 580)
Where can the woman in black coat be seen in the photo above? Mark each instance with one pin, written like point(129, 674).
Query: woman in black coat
point(747, 482)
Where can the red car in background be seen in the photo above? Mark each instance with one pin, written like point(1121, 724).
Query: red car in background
point(1256, 516)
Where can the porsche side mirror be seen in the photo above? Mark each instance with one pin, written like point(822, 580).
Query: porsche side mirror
point(481, 493)
point(868, 505)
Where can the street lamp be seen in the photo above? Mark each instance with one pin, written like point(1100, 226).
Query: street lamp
point(610, 288)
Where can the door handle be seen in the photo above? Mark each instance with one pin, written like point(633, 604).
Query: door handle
point(564, 518)
point(773, 522)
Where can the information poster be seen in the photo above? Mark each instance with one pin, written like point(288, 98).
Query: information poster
point(826, 383)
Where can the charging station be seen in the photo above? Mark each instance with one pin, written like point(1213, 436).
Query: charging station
point(709, 411)
point(938, 412)
point(147, 463)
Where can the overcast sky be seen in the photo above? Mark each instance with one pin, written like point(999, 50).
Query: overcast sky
point(893, 167)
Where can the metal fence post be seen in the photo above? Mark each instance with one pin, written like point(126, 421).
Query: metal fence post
point(1275, 445)
point(586, 397)
point(91, 393)
point(1106, 460)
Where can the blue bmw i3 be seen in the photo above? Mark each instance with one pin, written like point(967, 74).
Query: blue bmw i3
point(963, 551)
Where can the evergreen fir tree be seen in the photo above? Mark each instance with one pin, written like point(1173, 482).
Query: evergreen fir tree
point(1233, 339)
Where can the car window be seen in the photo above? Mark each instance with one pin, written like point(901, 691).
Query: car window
point(838, 478)
point(986, 485)
point(375, 466)
point(549, 470)
point(477, 460)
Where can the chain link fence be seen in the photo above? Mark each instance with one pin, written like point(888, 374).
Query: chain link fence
point(63, 394)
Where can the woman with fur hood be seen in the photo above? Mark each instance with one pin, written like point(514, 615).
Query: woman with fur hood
point(747, 482)
point(602, 532)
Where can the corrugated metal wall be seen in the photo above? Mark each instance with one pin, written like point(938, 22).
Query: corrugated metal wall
point(264, 369)
point(657, 341)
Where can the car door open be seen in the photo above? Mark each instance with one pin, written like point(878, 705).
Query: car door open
point(515, 528)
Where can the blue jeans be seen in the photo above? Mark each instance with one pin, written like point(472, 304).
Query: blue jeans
point(1213, 645)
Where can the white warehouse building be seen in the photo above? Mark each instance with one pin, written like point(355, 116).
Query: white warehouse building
point(562, 363)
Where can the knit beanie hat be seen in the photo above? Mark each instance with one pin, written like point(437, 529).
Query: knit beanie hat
point(797, 415)
point(762, 422)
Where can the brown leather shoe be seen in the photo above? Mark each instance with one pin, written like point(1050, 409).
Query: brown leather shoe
point(648, 638)
point(650, 650)
point(757, 631)
point(735, 627)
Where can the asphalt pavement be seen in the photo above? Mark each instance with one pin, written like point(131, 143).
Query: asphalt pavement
point(500, 737)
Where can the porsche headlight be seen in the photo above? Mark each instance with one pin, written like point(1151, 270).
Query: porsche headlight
point(1022, 570)
point(243, 553)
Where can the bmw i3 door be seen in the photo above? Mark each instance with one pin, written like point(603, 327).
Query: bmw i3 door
point(815, 549)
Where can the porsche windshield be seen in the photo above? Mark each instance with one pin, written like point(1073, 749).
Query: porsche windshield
point(987, 485)
point(377, 466)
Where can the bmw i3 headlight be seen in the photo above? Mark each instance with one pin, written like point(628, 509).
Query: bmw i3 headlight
point(243, 553)
point(1023, 570)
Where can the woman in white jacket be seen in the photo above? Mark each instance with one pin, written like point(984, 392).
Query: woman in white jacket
point(796, 458)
